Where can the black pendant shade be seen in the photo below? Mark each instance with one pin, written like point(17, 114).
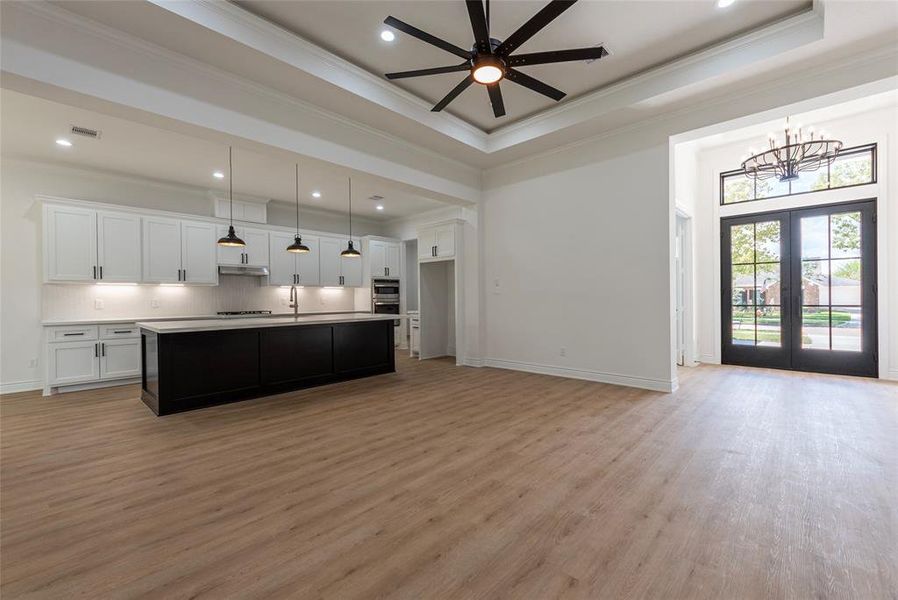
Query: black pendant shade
point(231, 240)
point(297, 246)
point(350, 252)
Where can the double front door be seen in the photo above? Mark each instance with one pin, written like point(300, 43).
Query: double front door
point(799, 289)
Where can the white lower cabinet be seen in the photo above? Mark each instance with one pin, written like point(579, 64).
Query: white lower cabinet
point(72, 362)
point(119, 358)
point(102, 352)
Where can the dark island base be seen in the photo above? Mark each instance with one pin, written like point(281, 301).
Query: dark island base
point(184, 371)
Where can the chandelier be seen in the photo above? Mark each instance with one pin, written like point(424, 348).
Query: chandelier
point(802, 151)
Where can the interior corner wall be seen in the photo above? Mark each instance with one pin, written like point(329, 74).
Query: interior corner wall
point(577, 265)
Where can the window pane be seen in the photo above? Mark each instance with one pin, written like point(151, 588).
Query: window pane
point(767, 188)
point(810, 181)
point(767, 281)
point(845, 235)
point(845, 281)
point(852, 169)
point(743, 285)
point(767, 241)
point(815, 237)
point(815, 328)
point(743, 326)
point(815, 282)
point(737, 188)
point(769, 326)
point(846, 329)
point(742, 243)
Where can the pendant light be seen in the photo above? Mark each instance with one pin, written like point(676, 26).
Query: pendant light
point(350, 252)
point(231, 240)
point(297, 246)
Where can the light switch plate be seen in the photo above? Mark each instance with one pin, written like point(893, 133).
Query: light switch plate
point(98, 303)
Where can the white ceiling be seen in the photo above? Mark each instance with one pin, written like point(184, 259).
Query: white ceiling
point(31, 126)
point(639, 35)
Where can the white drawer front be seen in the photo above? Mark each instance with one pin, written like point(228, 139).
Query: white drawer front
point(79, 333)
point(120, 331)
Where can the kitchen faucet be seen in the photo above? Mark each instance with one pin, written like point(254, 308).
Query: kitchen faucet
point(294, 299)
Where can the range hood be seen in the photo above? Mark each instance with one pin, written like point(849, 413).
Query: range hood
point(246, 271)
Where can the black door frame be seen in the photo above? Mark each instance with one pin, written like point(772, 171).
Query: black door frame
point(790, 354)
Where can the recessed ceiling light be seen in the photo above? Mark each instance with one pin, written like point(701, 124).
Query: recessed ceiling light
point(387, 35)
point(218, 175)
point(380, 207)
point(63, 142)
point(724, 3)
point(316, 194)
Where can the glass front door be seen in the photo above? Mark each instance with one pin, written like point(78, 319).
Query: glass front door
point(799, 289)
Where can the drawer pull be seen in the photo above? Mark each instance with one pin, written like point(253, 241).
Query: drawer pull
point(122, 331)
point(79, 333)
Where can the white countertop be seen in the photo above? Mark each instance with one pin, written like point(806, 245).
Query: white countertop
point(256, 323)
point(110, 321)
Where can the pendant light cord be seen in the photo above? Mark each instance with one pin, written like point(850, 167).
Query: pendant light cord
point(297, 199)
point(231, 182)
point(350, 210)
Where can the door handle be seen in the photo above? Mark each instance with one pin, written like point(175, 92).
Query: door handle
point(102, 348)
point(96, 350)
point(121, 331)
point(79, 333)
point(185, 274)
point(101, 271)
point(95, 271)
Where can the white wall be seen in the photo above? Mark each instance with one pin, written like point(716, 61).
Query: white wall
point(25, 301)
point(880, 126)
point(578, 260)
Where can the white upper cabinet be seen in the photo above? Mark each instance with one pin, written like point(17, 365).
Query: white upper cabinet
point(330, 261)
point(252, 212)
point(392, 259)
point(161, 250)
point(381, 258)
point(70, 243)
point(255, 253)
point(282, 264)
point(198, 252)
point(307, 264)
point(351, 269)
point(437, 241)
point(118, 247)
point(256, 249)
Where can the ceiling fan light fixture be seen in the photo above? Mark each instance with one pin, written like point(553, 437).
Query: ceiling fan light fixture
point(488, 69)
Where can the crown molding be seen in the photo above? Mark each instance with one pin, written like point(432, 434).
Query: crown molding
point(268, 38)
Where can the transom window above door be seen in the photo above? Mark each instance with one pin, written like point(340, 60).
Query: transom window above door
point(854, 166)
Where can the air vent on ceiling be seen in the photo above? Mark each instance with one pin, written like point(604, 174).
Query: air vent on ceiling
point(85, 132)
point(376, 198)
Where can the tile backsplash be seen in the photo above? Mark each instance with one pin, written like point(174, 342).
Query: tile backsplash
point(233, 292)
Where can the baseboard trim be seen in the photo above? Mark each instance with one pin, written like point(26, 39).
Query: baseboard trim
point(646, 383)
point(891, 375)
point(473, 362)
point(93, 385)
point(21, 386)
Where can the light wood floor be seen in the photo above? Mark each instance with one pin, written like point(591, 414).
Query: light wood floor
point(445, 482)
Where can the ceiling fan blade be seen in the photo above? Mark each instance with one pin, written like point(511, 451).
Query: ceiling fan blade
point(426, 37)
point(534, 84)
point(496, 99)
point(526, 31)
point(455, 92)
point(556, 56)
point(434, 71)
point(478, 25)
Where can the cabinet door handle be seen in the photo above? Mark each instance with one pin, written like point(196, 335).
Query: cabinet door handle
point(96, 350)
point(386, 270)
point(101, 271)
point(79, 333)
point(185, 274)
point(119, 331)
point(102, 349)
point(95, 271)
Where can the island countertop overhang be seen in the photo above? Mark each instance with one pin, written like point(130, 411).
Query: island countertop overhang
point(164, 327)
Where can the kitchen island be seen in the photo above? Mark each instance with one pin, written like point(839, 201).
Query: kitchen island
point(196, 363)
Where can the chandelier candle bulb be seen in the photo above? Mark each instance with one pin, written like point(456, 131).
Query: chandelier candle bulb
point(802, 151)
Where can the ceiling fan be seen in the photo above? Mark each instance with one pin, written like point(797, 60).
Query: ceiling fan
point(490, 60)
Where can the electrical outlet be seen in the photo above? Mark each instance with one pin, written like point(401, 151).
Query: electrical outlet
point(154, 303)
point(563, 351)
point(98, 303)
